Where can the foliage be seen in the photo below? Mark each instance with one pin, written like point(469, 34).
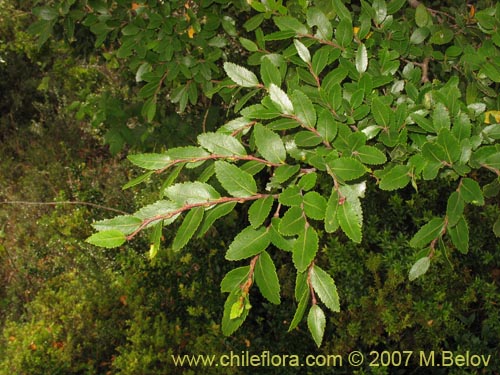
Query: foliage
point(332, 101)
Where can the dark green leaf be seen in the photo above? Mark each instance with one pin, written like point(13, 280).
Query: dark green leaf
point(283, 173)
point(293, 222)
point(327, 126)
point(215, 213)
point(137, 180)
point(301, 309)
point(344, 32)
point(287, 23)
point(188, 227)
point(108, 238)
point(341, 10)
point(247, 243)
point(470, 191)
point(307, 139)
point(259, 211)
point(324, 285)
point(234, 279)
point(305, 248)
point(316, 323)
point(427, 233)
point(381, 112)
point(267, 278)
point(460, 235)
point(454, 208)
point(370, 155)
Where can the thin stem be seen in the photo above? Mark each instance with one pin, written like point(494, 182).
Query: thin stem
point(187, 207)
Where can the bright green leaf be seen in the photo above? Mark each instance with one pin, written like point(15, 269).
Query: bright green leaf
point(305, 248)
point(215, 213)
point(240, 75)
point(247, 243)
point(470, 191)
point(304, 108)
point(396, 178)
point(238, 183)
point(302, 50)
point(123, 223)
point(191, 193)
point(314, 205)
point(269, 144)
point(259, 211)
point(108, 238)
point(316, 323)
point(221, 144)
point(325, 287)
point(281, 99)
point(349, 221)
point(234, 279)
point(347, 168)
point(267, 278)
point(150, 161)
point(293, 222)
point(188, 228)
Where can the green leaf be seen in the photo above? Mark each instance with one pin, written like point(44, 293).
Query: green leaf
point(229, 326)
point(307, 138)
point(240, 75)
point(293, 222)
point(370, 155)
point(150, 161)
point(441, 117)
point(302, 50)
point(308, 181)
point(450, 145)
point(341, 10)
point(301, 309)
point(124, 223)
point(422, 16)
point(315, 17)
point(281, 99)
point(327, 126)
point(442, 36)
point(157, 209)
point(259, 211)
point(107, 238)
point(347, 168)
point(427, 233)
point(470, 191)
point(247, 243)
point(491, 71)
point(396, 178)
point(191, 193)
point(136, 181)
point(380, 9)
point(188, 227)
point(325, 287)
point(454, 208)
point(291, 196)
point(287, 23)
point(419, 268)
point(305, 248)
point(277, 239)
point(46, 13)
point(381, 112)
point(269, 72)
point(267, 278)
point(344, 32)
point(248, 44)
point(314, 205)
point(234, 279)
point(269, 144)
point(237, 309)
point(285, 172)
point(155, 240)
point(460, 235)
point(221, 144)
point(316, 323)
point(361, 59)
point(215, 213)
point(349, 221)
point(238, 183)
point(331, 216)
point(496, 227)
point(304, 108)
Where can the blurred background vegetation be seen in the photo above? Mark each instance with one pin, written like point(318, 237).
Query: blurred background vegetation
point(69, 308)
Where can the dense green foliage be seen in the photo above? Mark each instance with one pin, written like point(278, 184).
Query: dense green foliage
point(358, 142)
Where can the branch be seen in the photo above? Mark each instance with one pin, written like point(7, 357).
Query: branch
point(187, 207)
point(215, 156)
point(78, 203)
